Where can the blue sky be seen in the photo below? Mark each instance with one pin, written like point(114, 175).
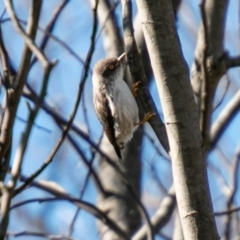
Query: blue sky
point(74, 28)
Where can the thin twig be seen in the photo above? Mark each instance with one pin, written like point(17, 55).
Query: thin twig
point(55, 38)
point(220, 178)
point(17, 163)
point(62, 196)
point(33, 113)
point(77, 102)
point(60, 119)
point(233, 62)
point(4, 60)
point(155, 174)
point(35, 50)
point(83, 189)
point(155, 146)
point(14, 96)
point(88, 164)
point(225, 117)
point(50, 27)
point(226, 212)
point(111, 10)
point(161, 217)
point(7, 80)
point(234, 187)
point(39, 234)
point(223, 96)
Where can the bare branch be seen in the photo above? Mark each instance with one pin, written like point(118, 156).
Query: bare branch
point(13, 98)
point(56, 39)
point(118, 208)
point(224, 94)
point(7, 79)
point(57, 191)
point(5, 61)
point(219, 176)
point(210, 64)
point(226, 212)
point(27, 37)
point(234, 187)
point(161, 217)
point(51, 26)
point(138, 74)
point(13, 93)
point(233, 62)
point(224, 119)
point(112, 37)
point(39, 234)
point(71, 226)
point(59, 119)
point(77, 102)
point(33, 113)
point(63, 121)
point(205, 90)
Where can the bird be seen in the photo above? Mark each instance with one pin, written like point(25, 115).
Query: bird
point(114, 103)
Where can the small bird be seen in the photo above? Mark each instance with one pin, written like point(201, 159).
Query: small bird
point(114, 102)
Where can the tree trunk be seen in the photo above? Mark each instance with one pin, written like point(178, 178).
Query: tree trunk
point(181, 119)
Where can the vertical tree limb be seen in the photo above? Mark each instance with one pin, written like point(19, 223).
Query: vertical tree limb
point(211, 60)
point(180, 114)
point(111, 32)
point(138, 74)
point(13, 95)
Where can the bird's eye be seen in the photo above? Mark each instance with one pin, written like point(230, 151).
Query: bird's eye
point(111, 67)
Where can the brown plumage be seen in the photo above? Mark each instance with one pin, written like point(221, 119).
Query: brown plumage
point(114, 103)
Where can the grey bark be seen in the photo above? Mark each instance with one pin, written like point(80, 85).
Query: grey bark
point(120, 205)
point(226, 116)
point(177, 233)
point(181, 118)
point(210, 60)
point(138, 75)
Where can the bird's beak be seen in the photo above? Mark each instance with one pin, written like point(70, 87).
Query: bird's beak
point(120, 58)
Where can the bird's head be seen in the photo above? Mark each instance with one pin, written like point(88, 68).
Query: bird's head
point(109, 69)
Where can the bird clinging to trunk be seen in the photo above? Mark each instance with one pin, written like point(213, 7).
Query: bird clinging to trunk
point(114, 103)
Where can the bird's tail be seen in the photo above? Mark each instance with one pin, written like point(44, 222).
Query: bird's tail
point(118, 152)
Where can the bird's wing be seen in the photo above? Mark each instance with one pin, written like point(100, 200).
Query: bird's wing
point(105, 116)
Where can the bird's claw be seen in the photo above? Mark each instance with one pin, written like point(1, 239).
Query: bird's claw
point(146, 118)
point(135, 88)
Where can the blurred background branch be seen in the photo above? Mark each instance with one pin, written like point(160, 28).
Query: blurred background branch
point(66, 181)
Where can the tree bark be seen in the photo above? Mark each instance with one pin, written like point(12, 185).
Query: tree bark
point(181, 119)
point(120, 205)
point(210, 60)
